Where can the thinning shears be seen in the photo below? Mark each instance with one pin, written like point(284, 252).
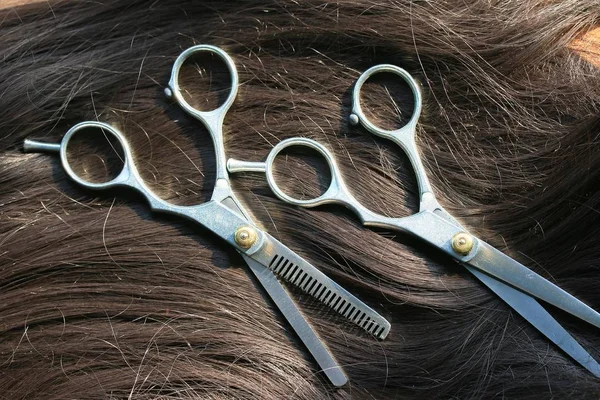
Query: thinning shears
point(224, 215)
point(517, 285)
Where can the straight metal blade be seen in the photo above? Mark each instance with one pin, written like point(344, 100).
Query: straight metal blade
point(537, 316)
point(501, 266)
point(292, 268)
point(297, 321)
point(285, 304)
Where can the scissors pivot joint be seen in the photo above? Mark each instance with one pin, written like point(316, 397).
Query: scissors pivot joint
point(463, 243)
point(245, 236)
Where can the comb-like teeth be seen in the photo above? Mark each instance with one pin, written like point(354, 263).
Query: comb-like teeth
point(299, 281)
point(309, 288)
point(339, 305)
point(320, 287)
point(316, 289)
point(370, 326)
point(334, 304)
point(307, 284)
point(289, 272)
point(294, 278)
point(350, 311)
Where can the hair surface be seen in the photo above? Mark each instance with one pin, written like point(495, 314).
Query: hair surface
point(103, 299)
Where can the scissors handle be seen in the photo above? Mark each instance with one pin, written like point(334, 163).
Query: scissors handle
point(336, 193)
point(404, 136)
point(218, 218)
point(212, 119)
point(128, 177)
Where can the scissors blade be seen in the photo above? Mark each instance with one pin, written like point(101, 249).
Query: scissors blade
point(283, 301)
point(537, 316)
point(297, 321)
point(292, 268)
point(501, 266)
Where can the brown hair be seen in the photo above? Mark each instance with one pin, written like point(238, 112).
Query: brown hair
point(102, 299)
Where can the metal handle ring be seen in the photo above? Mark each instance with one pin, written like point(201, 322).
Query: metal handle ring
point(174, 91)
point(330, 194)
point(358, 115)
point(120, 179)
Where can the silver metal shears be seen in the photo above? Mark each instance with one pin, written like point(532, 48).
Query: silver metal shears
point(517, 285)
point(224, 215)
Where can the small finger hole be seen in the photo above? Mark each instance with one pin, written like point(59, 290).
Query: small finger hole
point(95, 155)
point(387, 100)
point(205, 81)
point(301, 172)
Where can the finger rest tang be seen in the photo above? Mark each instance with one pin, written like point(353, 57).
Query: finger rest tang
point(34, 146)
point(235, 166)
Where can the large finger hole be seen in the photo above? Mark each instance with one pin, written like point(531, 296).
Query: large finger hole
point(95, 155)
point(301, 172)
point(387, 100)
point(205, 80)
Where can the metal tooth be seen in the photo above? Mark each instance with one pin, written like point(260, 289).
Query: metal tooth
point(335, 303)
point(365, 322)
point(354, 315)
point(371, 326)
point(307, 283)
point(309, 288)
point(290, 272)
point(379, 332)
point(327, 294)
point(343, 312)
point(340, 305)
point(332, 300)
point(317, 289)
point(301, 280)
point(349, 312)
point(279, 264)
point(362, 315)
point(284, 269)
point(321, 292)
point(374, 329)
point(273, 261)
point(283, 266)
point(295, 275)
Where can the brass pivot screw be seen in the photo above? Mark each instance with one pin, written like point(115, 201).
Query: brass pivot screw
point(462, 243)
point(245, 237)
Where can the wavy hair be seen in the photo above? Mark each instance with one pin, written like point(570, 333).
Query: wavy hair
point(101, 299)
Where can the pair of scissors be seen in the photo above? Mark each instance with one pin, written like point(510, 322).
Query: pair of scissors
point(517, 285)
point(224, 215)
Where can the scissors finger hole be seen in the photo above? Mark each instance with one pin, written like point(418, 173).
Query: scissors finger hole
point(301, 173)
point(387, 100)
point(205, 81)
point(95, 155)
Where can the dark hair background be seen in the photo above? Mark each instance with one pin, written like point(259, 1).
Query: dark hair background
point(101, 299)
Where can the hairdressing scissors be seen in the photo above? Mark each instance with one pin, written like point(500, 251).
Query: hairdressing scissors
point(513, 282)
point(225, 217)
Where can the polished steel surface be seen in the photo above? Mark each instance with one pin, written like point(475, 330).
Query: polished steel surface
point(516, 284)
point(225, 216)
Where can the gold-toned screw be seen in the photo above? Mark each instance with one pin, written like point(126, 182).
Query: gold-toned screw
point(245, 237)
point(462, 243)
